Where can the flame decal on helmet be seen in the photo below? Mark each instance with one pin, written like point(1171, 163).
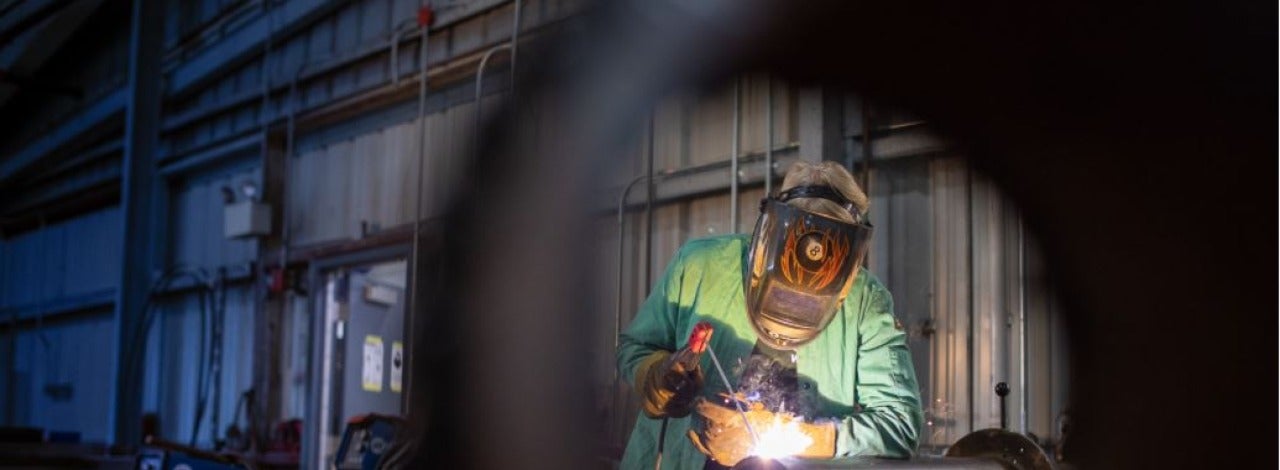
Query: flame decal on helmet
point(833, 249)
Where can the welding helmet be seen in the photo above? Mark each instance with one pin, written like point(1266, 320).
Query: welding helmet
point(801, 266)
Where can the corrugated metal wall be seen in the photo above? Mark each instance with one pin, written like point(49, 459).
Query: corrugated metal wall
point(902, 251)
point(97, 69)
point(354, 42)
point(344, 186)
point(75, 354)
point(196, 220)
point(946, 245)
point(67, 259)
point(180, 326)
point(58, 334)
point(196, 242)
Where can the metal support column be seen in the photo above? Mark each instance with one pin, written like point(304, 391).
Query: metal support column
point(821, 124)
point(140, 203)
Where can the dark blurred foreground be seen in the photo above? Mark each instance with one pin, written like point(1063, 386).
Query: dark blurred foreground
point(1138, 140)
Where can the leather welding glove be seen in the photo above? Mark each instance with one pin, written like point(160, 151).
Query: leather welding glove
point(666, 389)
point(725, 438)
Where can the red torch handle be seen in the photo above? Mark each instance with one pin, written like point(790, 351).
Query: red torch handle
point(700, 337)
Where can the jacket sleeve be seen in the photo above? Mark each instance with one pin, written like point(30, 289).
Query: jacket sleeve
point(888, 417)
point(654, 326)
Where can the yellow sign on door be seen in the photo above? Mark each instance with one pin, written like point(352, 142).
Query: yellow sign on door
point(371, 370)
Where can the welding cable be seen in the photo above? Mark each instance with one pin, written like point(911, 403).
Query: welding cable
point(149, 308)
point(219, 342)
point(662, 440)
point(204, 300)
point(137, 346)
point(212, 302)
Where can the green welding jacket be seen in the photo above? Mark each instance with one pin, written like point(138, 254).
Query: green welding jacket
point(859, 367)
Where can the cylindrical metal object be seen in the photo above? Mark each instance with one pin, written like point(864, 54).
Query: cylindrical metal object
point(768, 147)
point(733, 158)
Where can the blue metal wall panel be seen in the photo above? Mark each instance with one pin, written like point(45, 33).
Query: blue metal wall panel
point(98, 70)
point(196, 210)
point(180, 359)
point(66, 259)
point(375, 21)
point(75, 355)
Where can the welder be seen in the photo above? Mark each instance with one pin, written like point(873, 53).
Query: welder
point(803, 329)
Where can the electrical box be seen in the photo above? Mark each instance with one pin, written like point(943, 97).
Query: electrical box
point(246, 219)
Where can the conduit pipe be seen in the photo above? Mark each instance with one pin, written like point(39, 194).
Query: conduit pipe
point(395, 50)
point(291, 125)
point(424, 25)
point(866, 147)
point(484, 62)
point(648, 212)
point(1022, 328)
point(733, 157)
point(768, 146)
point(622, 223)
point(617, 314)
point(512, 46)
point(290, 130)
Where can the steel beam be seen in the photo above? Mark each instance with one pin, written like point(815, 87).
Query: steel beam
point(32, 199)
point(41, 45)
point(693, 182)
point(99, 299)
point(141, 203)
point(246, 43)
point(898, 143)
point(821, 114)
point(101, 114)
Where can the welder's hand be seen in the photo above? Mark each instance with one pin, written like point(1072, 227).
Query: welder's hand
point(665, 387)
point(724, 437)
point(727, 440)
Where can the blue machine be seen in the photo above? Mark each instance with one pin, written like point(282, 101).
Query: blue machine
point(366, 441)
point(162, 455)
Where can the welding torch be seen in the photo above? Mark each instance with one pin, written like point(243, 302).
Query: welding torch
point(687, 358)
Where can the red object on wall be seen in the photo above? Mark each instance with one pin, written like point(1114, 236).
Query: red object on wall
point(276, 284)
point(425, 16)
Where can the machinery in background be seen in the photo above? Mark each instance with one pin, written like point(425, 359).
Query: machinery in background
point(237, 451)
point(165, 455)
point(1010, 448)
point(370, 442)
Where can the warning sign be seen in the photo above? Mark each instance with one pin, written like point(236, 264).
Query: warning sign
point(397, 365)
point(371, 371)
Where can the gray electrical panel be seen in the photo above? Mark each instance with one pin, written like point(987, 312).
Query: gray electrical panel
point(369, 344)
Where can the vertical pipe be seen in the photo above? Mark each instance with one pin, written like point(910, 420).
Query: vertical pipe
point(768, 147)
point(484, 62)
point(866, 162)
point(263, 370)
point(622, 223)
point(290, 130)
point(617, 313)
point(415, 254)
point(395, 57)
point(733, 158)
point(968, 183)
point(648, 212)
point(866, 147)
point(1022, 328)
